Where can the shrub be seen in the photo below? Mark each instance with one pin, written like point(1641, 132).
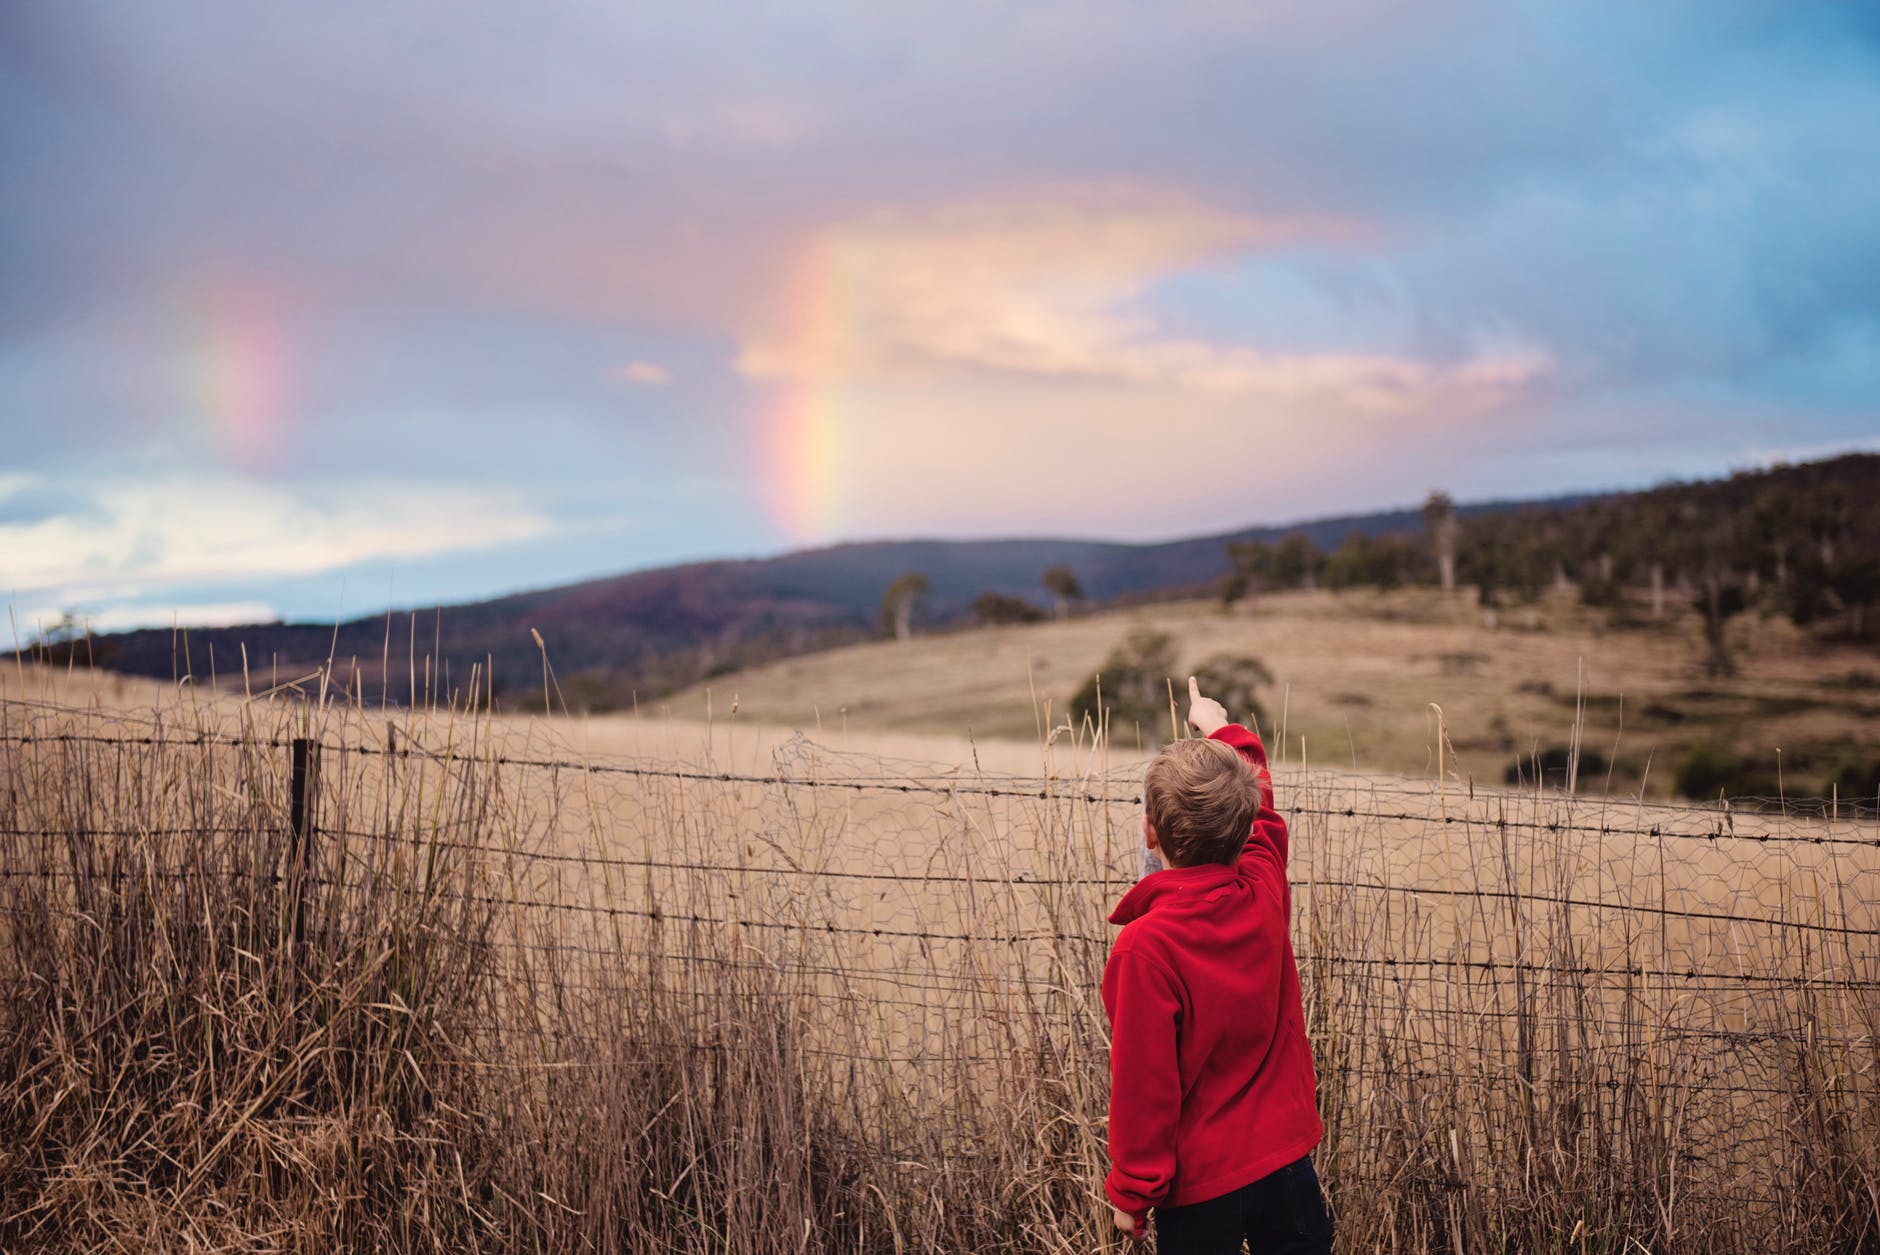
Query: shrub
point(1709, 771)
point(1858, 780)
point(1132, 686)
point(1550, 767)
point(1235, 683)
point(1135, 681)
point(992, 609)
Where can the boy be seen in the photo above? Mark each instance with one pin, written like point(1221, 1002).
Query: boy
point(1213, 1109)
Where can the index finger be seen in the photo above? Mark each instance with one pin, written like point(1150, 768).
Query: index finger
point(1194, 690)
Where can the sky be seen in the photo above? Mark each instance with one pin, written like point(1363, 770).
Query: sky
point(310, 310)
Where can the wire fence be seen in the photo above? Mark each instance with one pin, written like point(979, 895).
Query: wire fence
point(1474, 961)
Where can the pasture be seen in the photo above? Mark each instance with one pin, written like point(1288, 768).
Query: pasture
point(639, 984)
point(1354, 674)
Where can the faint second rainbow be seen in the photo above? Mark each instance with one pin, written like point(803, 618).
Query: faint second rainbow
point(235, 355)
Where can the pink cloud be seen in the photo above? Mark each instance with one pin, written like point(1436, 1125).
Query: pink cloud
point(917, 342)
point(1051, 285)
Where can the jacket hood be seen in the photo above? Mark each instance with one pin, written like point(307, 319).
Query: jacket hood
point(1168, 882)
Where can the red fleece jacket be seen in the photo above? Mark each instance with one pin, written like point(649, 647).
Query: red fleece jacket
point(1211, 1083)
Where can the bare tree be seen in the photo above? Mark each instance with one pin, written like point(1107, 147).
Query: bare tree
point(1721, 597)
point(1441, 529)
point(897, 605)
point(1062, 583)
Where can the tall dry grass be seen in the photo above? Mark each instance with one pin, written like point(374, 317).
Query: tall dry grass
point(514, 999)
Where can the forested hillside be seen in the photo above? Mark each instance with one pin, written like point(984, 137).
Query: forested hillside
point(649, 632)
point(1802, 541)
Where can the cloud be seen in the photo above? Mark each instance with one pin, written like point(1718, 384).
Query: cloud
point(1053, 285)
point(651, 373)
point(146, 535)
point(765, 124)
point(1336, 251)
point(37, 622)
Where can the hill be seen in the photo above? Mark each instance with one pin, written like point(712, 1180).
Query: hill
point(1800, 541)
point(1357, 679)
point(650, 632)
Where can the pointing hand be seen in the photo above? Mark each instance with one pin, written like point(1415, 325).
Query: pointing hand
point(1205, 715)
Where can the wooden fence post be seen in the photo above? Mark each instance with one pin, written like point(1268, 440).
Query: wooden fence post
point(303, 793)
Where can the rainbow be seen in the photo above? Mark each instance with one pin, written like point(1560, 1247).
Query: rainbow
point(806, 423)
point(237, 375)
point(802, 438)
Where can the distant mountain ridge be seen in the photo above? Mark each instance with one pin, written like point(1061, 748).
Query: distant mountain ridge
point(652, 630)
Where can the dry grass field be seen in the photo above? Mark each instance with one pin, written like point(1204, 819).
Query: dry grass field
point(1354, 675)
point(648, 984)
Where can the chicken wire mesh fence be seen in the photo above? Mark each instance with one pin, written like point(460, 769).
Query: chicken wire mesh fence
point(1501, 987)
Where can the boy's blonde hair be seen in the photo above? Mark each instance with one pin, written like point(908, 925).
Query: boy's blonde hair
point(1201, 795)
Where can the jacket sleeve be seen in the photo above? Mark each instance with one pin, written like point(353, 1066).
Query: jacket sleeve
point(1145, 1010)
point(1269, 839)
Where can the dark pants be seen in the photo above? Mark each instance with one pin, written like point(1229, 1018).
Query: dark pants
point(1283, 1213)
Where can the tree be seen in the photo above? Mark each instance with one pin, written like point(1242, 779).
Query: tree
point(992, 608)
point(1809, 595)
point(1720, 598)
point(1856, 585)
point(1348, 565)
point(1062, 583)
point(1252, 558)
point(1504, 555)
point(1135, 680)
point(1250, 566)
point(1132, 686)
point(1378, 560)
point(62, 631)
point(67, 641)
point(1440, 529)
point(897, 605)
point(1830, 513)
point(1235, 682)
point(1297, 562)
point(1774, 523)
point(1647, 545)
point(1232, 587)
point(1713, 547)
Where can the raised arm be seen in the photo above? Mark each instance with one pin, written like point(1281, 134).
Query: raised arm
point(1209, 717)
